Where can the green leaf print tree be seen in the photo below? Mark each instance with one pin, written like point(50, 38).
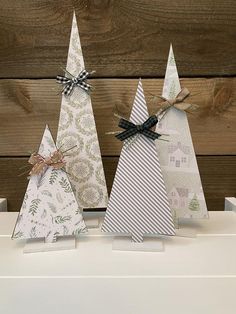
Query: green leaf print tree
point(49, 209)
point(194, 204)
point(65, 185)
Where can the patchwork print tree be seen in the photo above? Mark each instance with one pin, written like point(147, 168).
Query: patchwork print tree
point(49, 207)
point(177, 158)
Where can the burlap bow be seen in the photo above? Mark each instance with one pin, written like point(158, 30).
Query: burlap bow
point(133, 129)
point(177, 102)
point(40, 163)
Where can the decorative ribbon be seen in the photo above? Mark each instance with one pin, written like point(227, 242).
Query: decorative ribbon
point(133, 129)
point(70, 83)
point(177, 102)
point(39, 162)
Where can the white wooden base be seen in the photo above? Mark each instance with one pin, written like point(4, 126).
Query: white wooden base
point(230, 203)
point(3, 205)
point(185, 232)
point(124, 243)
point(185, 227)
point(91, 222)
point(38, 245)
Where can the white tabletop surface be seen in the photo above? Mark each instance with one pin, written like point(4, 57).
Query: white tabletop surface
point(193, 275)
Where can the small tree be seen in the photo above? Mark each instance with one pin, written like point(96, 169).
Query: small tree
point(49, 207)
point(194, 204)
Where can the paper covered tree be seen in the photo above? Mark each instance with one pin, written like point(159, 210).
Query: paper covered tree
point(138, 203)
point(49, 207)
point(177, 157)
point(77, 127)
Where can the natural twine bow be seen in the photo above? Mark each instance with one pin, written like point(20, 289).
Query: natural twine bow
point(70, 83)
point(40, 163)
point(177, 102)
point(133, 129)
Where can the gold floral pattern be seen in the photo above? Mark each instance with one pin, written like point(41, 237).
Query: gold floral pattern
point(93, 150)
point(81, 130)
point(77, 102)
point(90, 195)
point(66, 117)
point(68, 140)
point(99, 177)
point(84, 122)
point(80, 170)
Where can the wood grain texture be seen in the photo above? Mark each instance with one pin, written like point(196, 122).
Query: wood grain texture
point(27, 105)
point(218, 175)
point(119, 37)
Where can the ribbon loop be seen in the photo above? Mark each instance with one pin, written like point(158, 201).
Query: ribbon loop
point(132, 129)
point(39, 163)
point(177, 102)
point(70, 83)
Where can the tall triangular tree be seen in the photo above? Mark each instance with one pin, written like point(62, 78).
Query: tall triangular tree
point(49, 207)
point(138, 203)
point(77, 127)
point(177, 158)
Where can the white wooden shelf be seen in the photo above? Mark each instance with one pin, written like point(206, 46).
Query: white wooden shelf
point(193, 275)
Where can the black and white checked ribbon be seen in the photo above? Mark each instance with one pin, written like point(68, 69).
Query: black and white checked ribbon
point(132, 129)
point(70, 83)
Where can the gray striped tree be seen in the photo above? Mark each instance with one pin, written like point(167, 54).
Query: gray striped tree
point(138, 203)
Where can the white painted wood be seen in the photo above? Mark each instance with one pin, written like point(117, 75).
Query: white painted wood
point(184, 228)
point(149, 244)
point(186, 232)
point(118, 295)
point(91, 222)
point(39, 245)
point(95, 279)
point(230, 204)
point(91, 219)
point(7, 223)
point(3, 205)
point(183, 257)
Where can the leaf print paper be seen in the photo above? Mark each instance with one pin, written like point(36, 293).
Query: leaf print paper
point(49, 207)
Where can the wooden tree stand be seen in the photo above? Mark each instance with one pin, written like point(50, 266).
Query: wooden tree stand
point(40, 245)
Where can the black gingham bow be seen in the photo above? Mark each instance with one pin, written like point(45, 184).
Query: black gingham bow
point(70, 83)
point(132, 129)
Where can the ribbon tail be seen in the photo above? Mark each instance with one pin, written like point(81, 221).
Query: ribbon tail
point(151, 134)
point(184, 93)
point(86, 87)
point(62, 79)
point(67, 90)
point(126, 134)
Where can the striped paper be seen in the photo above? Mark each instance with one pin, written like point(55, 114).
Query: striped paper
point(138, 203)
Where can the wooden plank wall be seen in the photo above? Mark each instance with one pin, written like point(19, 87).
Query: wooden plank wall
point(122, 40)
